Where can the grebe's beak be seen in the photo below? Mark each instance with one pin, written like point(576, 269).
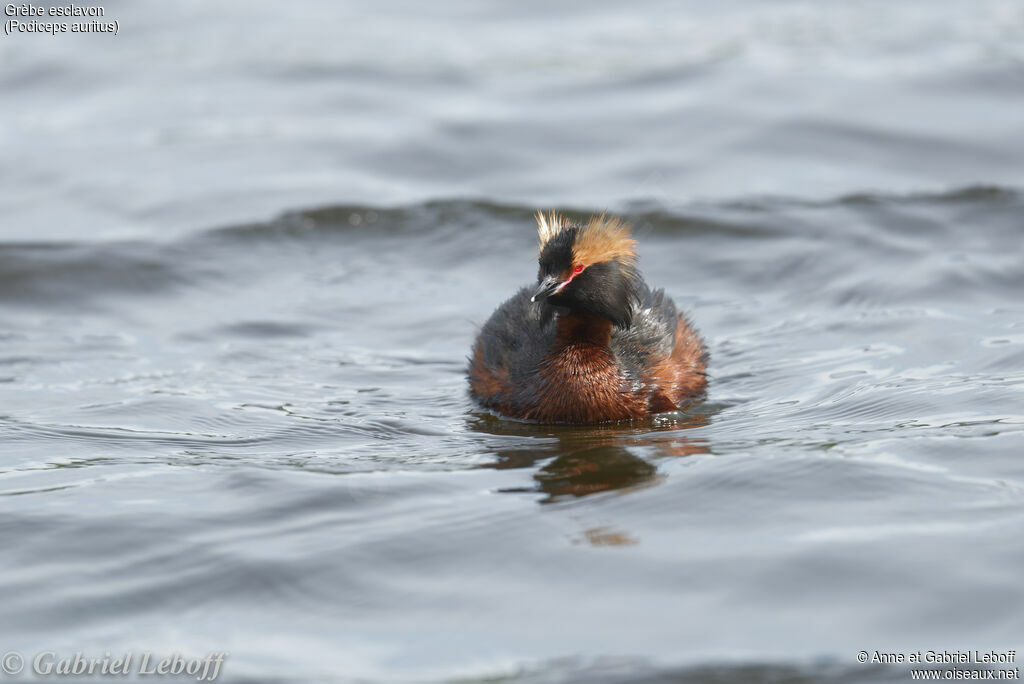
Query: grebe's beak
point(549, 286)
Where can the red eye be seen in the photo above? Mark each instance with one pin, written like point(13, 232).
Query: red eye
point(578, 269)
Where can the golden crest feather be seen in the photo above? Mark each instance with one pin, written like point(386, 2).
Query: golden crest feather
point(549, 226)
point(601, 239)
point(604, 239)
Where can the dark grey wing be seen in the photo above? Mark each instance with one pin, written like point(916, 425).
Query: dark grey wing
point(517, 335)
point(651, 336)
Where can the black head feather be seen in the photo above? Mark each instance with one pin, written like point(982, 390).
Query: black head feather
point(609, 289)
point(556, 256)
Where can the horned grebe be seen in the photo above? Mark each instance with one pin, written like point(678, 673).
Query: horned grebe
point(591, 343)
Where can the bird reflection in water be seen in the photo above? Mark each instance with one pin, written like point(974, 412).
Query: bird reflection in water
point(590, 460)
point(580, 461)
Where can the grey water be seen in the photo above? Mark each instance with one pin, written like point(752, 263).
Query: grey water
point(245, 249)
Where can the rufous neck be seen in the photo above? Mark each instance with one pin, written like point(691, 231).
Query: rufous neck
point(582, 328)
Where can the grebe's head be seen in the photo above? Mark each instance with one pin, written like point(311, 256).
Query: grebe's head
point(588, 268)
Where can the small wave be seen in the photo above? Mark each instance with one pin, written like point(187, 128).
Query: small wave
point(72, 275)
